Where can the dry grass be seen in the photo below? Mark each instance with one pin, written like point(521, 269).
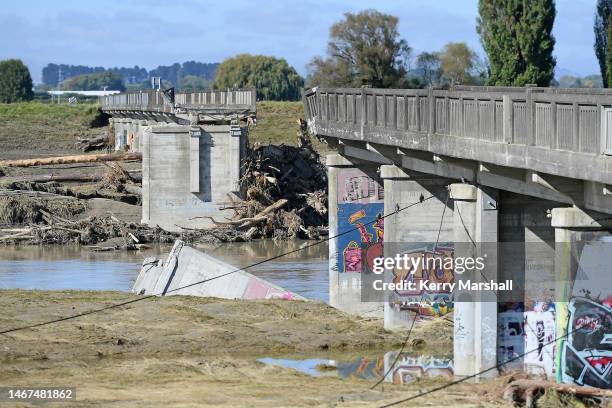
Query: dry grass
point(35, 129)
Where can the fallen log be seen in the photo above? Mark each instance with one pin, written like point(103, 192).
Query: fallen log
point(63, 178)
point(93, 143)
point(527, 391)
point(81, 158)
point(247, 222)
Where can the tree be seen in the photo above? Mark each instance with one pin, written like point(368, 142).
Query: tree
point(602, 38)
point(95, 82)
point(15, 82)
point(364, 49)
point(458, 63)
point(517, 36)
point(273, 78)
point(429, 67)
point(192, 83)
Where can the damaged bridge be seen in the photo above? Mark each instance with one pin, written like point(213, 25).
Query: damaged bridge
point(526, 171)
point(192, 145)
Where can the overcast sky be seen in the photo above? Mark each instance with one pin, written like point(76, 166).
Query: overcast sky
point(161, 32)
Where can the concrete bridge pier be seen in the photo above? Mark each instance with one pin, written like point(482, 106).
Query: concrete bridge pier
point(583, 295)
point(414, 229)
point(188, 172)
point(355, 197)
point(475, 231)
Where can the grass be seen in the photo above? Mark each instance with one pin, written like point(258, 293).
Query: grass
point(36, 129)
point(33, 129)
point(277, 123)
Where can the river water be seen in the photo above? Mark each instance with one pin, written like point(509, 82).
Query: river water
point(69, 267)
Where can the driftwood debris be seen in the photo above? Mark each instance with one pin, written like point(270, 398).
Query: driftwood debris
point(284, 191)
point(81, 158)
point(95, 143)
point(526, 391)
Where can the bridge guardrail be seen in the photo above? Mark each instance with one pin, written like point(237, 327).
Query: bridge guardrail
point(577, 120)
point(156, 101)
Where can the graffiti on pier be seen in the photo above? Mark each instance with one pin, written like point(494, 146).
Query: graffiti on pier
point(511, 339)
point(432, 269)
point(540, 334)
point(410, 367)
point(587, 353)
point(360, 211)
point(356, 186)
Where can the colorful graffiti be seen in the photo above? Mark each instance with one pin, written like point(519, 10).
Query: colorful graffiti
point(364, 368)
point(360, 210)
point(260, 289)
point(587, 353)
point(410, 367)
point(426, 303)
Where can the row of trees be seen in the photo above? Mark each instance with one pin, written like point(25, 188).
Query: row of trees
point(92, 82)
point(187, 74)
point(366, 49)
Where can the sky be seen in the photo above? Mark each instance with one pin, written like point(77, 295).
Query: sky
point(160, 32)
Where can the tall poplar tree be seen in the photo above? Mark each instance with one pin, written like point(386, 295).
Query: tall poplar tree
point(517, 36)
point(602, 28)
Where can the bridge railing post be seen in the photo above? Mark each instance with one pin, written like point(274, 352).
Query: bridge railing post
point(364, 111)
point(508, 119)
point(531, 113)
point(432, 111)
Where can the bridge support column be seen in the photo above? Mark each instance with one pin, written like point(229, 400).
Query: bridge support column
point(475, 314)
point(417, 227)
point(188, 173)
point(355, 200)
point(583, 296)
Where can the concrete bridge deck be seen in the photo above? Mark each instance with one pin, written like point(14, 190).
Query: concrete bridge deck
point(538, 141)
point(205, 105)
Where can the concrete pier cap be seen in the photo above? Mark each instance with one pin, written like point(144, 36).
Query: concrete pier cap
point(463, 192)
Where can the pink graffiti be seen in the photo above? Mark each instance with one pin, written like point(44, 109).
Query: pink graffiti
point(589, 322)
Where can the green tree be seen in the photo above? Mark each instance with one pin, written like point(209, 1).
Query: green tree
point(95, 82)
point(429, 67)
point(273, 78)
point(192, 83)
point(607, 76)
point(458, 64)
point(364, 49)
point(602, 38)
point(517, 36)
point(15, 82)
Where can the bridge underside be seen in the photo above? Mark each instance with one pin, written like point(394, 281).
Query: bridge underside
point(543, 215)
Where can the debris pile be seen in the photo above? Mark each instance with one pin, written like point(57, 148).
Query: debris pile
point(523, 391)
point(115, 183)
point(94, 143)
point(36, 220)
point(285, 194)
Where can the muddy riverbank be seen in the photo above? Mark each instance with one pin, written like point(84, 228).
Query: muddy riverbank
point(185, 351)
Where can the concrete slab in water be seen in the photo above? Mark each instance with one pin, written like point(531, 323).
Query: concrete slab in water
point(185, 267)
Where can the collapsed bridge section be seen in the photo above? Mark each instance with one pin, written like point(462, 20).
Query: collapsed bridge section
point(192, 145)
